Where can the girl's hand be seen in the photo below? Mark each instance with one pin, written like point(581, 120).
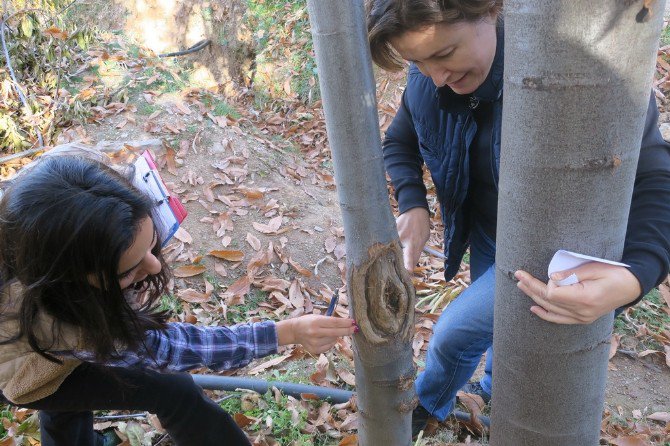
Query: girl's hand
point(414, 231)
point(601, 289)
point(317, 334)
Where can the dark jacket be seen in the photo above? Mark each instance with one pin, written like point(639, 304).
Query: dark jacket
point(435, 126)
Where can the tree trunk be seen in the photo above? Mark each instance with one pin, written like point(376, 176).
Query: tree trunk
point(379, 288)
point(577, 81)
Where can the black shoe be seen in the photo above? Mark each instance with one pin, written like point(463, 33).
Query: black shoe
point(420, 417)
point(476, 388)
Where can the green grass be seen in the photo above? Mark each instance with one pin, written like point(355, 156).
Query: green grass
point(285, 429)
point(170, 302)
point(665, 36)
point(239, 313)
point(144, 108)
point(648, 312)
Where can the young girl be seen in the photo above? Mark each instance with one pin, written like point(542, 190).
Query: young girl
point(82, 274)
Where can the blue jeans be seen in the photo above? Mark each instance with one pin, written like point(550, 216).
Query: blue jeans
point(461, 335)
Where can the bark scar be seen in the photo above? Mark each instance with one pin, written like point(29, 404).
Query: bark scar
point(383, 295)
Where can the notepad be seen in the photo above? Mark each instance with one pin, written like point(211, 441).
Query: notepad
point(168, 212)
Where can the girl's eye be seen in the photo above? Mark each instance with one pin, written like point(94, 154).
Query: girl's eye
point(126, 275)
point(444, 56)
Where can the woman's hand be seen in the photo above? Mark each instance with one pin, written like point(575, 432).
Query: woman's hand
point(413, 230)
point(316, 333)
point(601, 289)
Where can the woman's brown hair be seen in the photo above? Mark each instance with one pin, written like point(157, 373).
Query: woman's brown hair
point(389, 18)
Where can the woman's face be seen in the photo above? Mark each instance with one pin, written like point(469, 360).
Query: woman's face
point(458, 55)
point(137, 262)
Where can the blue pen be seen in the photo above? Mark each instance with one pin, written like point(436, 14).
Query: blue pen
point(331, 306)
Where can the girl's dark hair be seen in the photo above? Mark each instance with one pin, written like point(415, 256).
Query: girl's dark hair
point(392, 18)
point(64, 222)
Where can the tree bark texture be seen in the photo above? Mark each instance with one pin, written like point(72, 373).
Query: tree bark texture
point(577, 82)
point(379, 288)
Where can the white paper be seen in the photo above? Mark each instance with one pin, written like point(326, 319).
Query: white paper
point(563, 260)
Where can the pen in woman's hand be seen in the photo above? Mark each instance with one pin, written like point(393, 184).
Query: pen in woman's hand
point(332, 305)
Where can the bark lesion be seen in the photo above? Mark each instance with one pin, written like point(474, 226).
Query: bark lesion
point(383, 295)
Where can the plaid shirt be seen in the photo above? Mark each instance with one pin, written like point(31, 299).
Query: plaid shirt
point(183, 347)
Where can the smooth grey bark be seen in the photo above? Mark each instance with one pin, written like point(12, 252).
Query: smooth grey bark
point(577, 81)
point(380, 290)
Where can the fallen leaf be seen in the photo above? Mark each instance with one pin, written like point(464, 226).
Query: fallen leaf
point(351, 440)
point(240, 287)
point(170, 157)
point(242, 420)
point(665, 292)
point(183, 236)
point(614, 344)
point(220, 269)
point(189, 270)
point(340, 251)
point(632, 440)
point(267, 364)
point(330, 243)
point(253, 241)
point(252, 194)
point(660, 416)
point(193, 296)
point(346, 376)
point(231, 255)
point(647, 352)
point(475, 404)
point(305, 272)
point(271, 228)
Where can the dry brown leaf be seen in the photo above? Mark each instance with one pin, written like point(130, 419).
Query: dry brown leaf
point(330, 244)
point(475, 404)
point(271, 228)
point(170, 157)
point(240, 287)
point(346, 376)
point(665, 292)
point(304, 271)
point(350, 440)
point(253, 241)
point(614, 344)
point(182, 108)
point(220, 269)
point(660, 416)
point(349, 423)
point(231, 255)
point(56, 33)
point(295, 295)
point(252, 194)
point(667, 354)
point(183, 236)
point(647, 352)
point(267, 364)
point(274, 283)
point(242, 420)
point(189, 270)
point(631, 440)
point(193, 296)
point(340, 251)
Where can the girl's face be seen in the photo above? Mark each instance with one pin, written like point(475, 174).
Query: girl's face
point(458, 55)
point(137, 262)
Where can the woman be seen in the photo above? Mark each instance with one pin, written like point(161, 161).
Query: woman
point(80, 328)
point(451, 110)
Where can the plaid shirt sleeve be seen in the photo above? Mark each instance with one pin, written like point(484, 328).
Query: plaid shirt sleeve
point(183, 347)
